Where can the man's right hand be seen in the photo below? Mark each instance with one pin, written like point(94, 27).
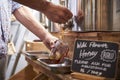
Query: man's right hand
point(57, 13)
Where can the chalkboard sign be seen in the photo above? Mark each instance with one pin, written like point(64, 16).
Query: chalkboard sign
point(95, 58)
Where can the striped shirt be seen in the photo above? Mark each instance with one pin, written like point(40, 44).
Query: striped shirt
point(7, 7)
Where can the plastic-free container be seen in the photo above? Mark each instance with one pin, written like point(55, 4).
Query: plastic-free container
point(59, 51)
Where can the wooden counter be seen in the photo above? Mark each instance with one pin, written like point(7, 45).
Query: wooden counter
point(70, 39)
point(36, 64)
point(109, 36)
point(53, 76)
point(36, 71)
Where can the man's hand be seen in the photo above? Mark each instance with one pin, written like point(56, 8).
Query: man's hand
point(49, 41)
point(57, 13)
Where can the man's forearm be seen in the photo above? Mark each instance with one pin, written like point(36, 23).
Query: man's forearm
point(28, 20)
point(40, 5)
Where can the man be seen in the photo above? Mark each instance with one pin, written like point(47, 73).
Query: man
point(22, 14)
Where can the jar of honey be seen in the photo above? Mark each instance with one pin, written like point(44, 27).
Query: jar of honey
point(59, 51)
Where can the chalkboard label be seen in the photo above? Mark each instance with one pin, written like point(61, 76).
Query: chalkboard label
point(95, 58)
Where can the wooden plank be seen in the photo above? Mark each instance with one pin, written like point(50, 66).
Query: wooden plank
point(87, 77)
point(25, 74)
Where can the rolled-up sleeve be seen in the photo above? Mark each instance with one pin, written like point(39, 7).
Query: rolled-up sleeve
point(15, 6)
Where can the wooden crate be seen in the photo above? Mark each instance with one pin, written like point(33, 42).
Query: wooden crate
point(35, 46)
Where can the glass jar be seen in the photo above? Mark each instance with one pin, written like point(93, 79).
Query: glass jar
point(59, 51)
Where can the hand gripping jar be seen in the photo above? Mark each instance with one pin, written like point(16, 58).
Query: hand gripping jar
point(59, 51)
